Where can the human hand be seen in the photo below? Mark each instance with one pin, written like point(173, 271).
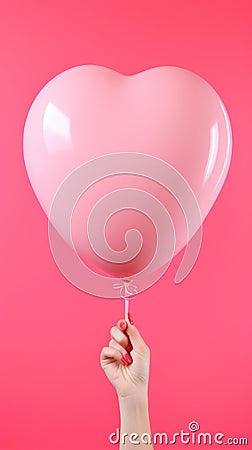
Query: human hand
point(126, 360)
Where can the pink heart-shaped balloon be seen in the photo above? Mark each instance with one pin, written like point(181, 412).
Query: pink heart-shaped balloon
point(90, 111)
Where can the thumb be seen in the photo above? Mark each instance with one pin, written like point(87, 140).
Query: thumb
point(135, 337)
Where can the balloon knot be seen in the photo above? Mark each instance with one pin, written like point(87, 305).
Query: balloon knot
point(128, 291)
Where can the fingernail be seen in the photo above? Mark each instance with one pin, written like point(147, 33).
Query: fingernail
point(128, 358)
point(130, 319)
point(122, 325)
point(129, 348)
point(123, 360)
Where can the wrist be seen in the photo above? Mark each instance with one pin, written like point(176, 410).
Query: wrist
point(134, 412)
point(135, 400)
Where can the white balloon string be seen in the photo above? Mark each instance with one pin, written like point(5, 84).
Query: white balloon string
point(128, 291)
point(126, 308)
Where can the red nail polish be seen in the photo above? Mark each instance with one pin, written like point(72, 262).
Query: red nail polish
point(122, 325)
point(128, 358)
point(130, 319)
point(123, 360)
point(129, 348)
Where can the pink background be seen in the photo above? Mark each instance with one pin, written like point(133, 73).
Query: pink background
point(53, 394)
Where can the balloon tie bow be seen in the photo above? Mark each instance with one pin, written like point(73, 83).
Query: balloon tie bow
point(128, 291)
